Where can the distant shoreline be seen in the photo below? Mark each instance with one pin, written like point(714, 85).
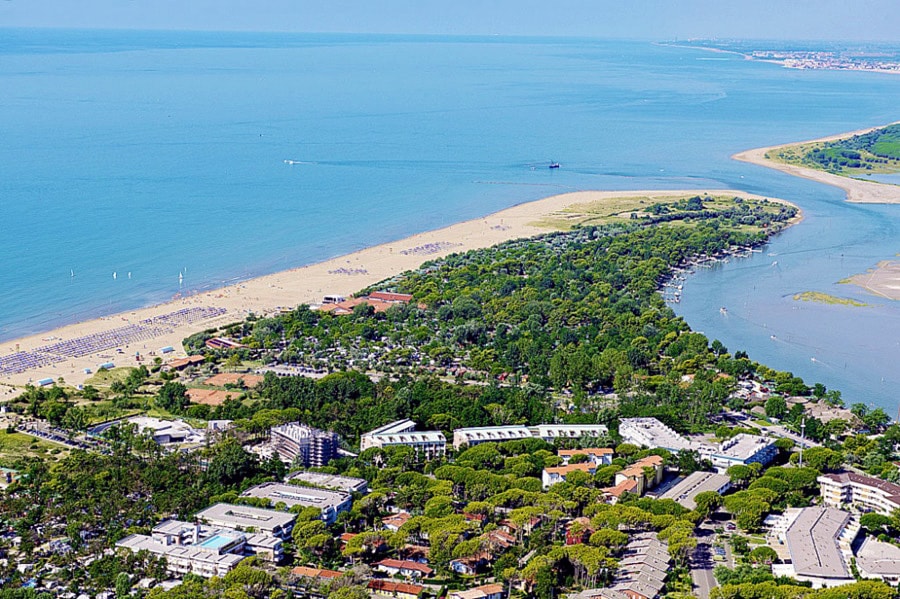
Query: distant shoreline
point(287, 289)
point(858, 191)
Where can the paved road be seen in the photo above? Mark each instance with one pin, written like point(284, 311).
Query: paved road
point(702, 563)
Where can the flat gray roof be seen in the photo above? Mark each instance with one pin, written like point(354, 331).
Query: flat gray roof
point(685, 491)
point(330, 481)
point(292, 495)
point(812, 540)
point(877, 557)
point(246, 516)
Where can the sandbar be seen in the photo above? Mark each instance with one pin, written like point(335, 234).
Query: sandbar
point(883, 280)
point(272, 293)
point(858, 191)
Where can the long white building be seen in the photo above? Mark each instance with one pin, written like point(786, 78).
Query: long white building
point(244, 518)
point(548, 432)
point(428, 444)
point(201, 549)
point(863, 493)
point(741, 449)
point(331, 503)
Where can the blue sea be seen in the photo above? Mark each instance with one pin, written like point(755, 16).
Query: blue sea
point(223, 156)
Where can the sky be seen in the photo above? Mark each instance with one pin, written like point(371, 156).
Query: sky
point(859, 20)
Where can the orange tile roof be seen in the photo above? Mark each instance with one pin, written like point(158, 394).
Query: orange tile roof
point(182, 362)
point(623, 487)
point(389, 296)
point(390, 586)
point(315, 572)
point(405, 565)
point(650, 460)
point(564, 470)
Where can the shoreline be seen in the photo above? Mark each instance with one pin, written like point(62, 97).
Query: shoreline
point(858, 191)
point(147, 330)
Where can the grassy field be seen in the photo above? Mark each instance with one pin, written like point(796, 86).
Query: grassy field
point(824, 298)
point(14, 446)
point(877, 152)
point(626, 208)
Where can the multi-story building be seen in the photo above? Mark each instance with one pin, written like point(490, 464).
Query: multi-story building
point(558, 474)
point(686, 490)
point(303, 445)
point(819, 540)
point(428, 444)
point(548, 432)
point(740, 449)
point(201, 549)
point(330, 503)
point(347, 484)
point(863, 493)
point(650, 432)
point(599, 456)
point(246, 518)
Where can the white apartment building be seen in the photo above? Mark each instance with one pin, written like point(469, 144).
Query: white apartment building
point(248, 518)
point(330, 503)
point(428, 444)
point(864, 493)
point(548, 432)
point(201, 549)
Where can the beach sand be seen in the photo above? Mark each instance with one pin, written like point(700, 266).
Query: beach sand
point(883, 280)
point(268, 294)
point(859, 191)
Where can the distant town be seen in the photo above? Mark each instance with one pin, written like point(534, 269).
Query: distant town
point(882, 60)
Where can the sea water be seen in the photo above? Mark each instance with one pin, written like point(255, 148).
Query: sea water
point(182, 161)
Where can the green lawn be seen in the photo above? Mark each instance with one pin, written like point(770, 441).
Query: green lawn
point(14, 446)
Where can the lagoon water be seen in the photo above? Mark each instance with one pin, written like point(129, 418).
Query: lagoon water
point(225, 156)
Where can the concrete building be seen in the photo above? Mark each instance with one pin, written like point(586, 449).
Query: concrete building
point(558, 474)
point(201, 549)
point(879, 560)
point(640, 574)
point(331, 503)
point(245, 517)
point(428, 444)
point(167, 432)
point(741, 449)
point(548, 432)
point(819, 541)
point(863, 493)
point(304, 445)
point(347, 484)
point(650, 432)
point(686, 490)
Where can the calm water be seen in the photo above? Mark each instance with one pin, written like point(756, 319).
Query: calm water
point(154, 154)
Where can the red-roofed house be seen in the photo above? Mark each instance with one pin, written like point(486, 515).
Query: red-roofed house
point(406, 568)
point(558, 474)
point(388, 296)
point(393, 523)
point(485, 591)
point(613, 494)
point(395, 590)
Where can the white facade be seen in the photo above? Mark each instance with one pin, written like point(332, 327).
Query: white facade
point(250, 519)
point(428, 444)
point(548, 432)
point(865, 493)
point(331, 503)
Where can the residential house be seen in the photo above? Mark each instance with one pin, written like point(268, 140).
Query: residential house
point(408, 569)
point(394, 590)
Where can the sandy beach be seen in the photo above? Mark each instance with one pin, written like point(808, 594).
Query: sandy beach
point(859, 191)
point(66, 352)
point(883, 280)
